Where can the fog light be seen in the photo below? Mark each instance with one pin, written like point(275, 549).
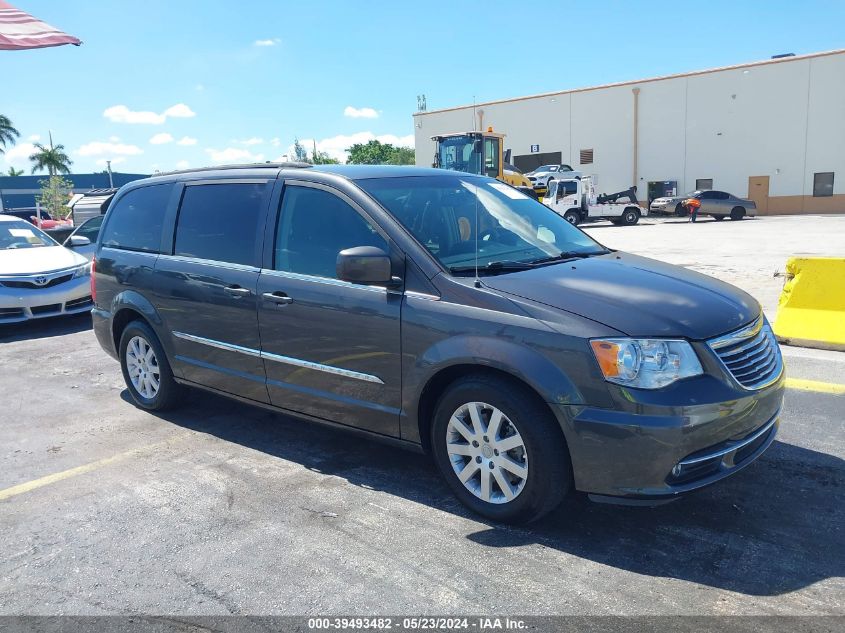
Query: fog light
point(676, 470)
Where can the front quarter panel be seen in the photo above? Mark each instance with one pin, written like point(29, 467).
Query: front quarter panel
point(438, 334)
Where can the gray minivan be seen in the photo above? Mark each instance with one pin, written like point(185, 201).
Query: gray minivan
point(442, 312)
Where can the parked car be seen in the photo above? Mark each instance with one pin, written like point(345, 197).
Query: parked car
point(27, 214)
point(38, 277)
point(83, 240)
point(542, 176)
point(441, 312)
point(719, 204)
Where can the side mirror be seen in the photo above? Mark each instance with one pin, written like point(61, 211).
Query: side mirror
point(364, 265)
point(78, 240)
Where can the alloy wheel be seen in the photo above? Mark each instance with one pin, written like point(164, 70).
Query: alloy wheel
point(143, 367)
point(487, 452)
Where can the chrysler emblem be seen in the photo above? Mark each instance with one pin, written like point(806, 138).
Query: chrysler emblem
point(40, 280)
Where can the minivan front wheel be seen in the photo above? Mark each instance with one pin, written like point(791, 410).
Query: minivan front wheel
point(145, 369)
point(500, 450)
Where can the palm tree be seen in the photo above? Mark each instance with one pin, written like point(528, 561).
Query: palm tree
point(8, 133)
point(53, 159)
point(15, 172)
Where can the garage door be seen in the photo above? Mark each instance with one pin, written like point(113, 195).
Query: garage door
point(529, 162)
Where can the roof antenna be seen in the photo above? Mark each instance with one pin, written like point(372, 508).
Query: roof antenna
point(477, 278)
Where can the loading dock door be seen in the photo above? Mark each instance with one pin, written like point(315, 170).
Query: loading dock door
point(529, 162)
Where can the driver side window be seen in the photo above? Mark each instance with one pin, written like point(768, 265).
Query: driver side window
point(313, 227)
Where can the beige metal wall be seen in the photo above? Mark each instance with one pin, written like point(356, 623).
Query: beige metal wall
point(784, 119)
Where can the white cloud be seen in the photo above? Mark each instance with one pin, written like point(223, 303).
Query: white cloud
point(18, 156)
point(101, 162)
point(179, 111)
point(34, 138)
point(114, 139)
point(122, 114)
point(250, 141)
point(275, 142)
point(360, 113)
point(161, 138)
point(182, 164)
point(234, 155)
point(99, 148)
point(187, 140)
point(336, 146)
point(268, 42)
point(199, 87)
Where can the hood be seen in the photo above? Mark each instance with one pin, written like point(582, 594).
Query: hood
point(635, 295)
point(39, 259)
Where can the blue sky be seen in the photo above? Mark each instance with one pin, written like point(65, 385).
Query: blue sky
point(168, 84)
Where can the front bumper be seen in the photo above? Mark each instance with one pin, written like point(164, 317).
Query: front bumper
point(657, 452)
point(24, 304)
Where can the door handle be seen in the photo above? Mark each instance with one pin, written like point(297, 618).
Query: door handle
point(278, 297)
point(236, 291)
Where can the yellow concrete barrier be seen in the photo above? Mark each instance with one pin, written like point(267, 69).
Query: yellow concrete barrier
point(811, 310)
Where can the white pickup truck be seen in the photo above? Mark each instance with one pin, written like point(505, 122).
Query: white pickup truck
point(576, 200)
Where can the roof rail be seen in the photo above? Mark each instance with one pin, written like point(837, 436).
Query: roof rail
point(287, 165)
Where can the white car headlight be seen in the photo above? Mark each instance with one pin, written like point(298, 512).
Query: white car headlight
point(645, 363)
point(82, 271)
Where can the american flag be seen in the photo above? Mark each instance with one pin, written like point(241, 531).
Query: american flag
point(19, 30)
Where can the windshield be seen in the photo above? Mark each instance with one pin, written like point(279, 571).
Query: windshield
point(460, 153)
point(22, 235)
point(537, 170)
point(450, 214)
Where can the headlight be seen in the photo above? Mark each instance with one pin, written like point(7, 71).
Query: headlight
point(82, 271)
point(645, 363)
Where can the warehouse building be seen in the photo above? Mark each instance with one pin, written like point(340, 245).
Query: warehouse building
point(18, 192)
point(772, 130)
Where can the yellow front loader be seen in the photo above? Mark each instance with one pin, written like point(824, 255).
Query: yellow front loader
point(480, 153)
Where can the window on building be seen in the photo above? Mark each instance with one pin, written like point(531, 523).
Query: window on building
point(586, 156)
point(704, 183)
point(314, 226)
point(135, 221)
point(823, 184)
point(220, 222)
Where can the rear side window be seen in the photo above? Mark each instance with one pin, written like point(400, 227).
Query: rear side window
point(220, 222)
point(314, 226)
point(135, 221)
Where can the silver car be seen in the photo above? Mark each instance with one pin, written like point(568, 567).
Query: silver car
point(39, 277)
point(719, 204)
point(542, 176)
point(83, 240)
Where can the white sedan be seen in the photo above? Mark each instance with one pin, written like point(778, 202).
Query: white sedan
point(39, 277)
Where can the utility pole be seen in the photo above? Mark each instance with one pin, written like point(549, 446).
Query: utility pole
point(111, 182)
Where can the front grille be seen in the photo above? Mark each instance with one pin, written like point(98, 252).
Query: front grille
point(53, 307)
point(28, 284)
point(11, 312)
point(751, 354)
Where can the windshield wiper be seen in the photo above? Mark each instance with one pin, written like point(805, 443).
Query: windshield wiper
point(566, 255)
point(492, 268)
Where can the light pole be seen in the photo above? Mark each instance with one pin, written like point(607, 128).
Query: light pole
point(111, 182)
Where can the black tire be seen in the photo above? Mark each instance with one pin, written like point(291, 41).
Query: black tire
point(169, 392)
point(631, 216)
point(737, 213)
point(680, 210)
point(573, 217)
point(549, 474)
point(718, 218)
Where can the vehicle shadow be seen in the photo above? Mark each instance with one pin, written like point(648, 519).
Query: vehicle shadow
point(45, 328)
point(773, 528)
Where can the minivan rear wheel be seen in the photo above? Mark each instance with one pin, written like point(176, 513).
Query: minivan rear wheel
point(500, 450)
point(145, 369)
